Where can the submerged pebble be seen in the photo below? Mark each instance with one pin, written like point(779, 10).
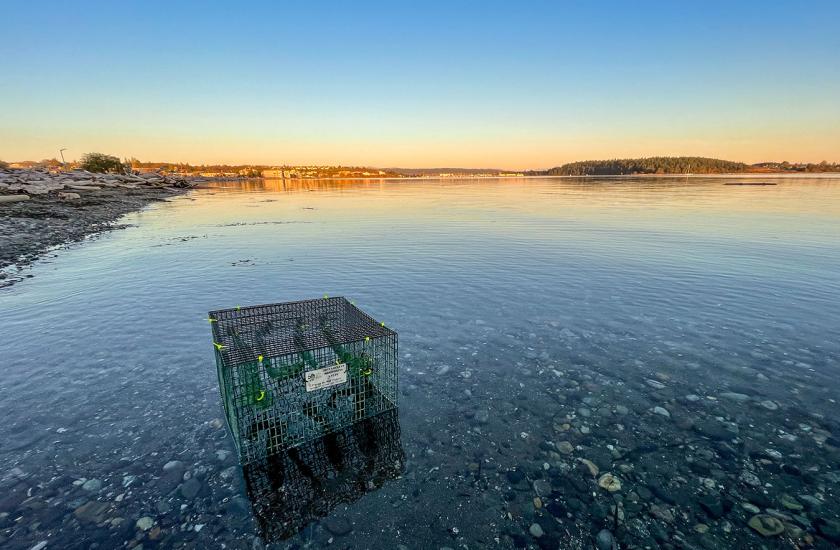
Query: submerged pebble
point(535, 530)
point(609, 482)
point(565, 447)
point(767, 525)
point(734, 396)
point(604, 540)
point(92, 485)
point(661, 412)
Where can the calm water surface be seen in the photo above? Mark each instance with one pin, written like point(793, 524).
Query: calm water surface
point(681, 335)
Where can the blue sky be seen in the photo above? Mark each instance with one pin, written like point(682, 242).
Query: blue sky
point(502, 84)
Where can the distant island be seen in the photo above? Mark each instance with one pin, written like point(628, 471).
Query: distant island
point(679, 165)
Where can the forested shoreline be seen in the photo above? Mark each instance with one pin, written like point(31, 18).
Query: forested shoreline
point(679, 165)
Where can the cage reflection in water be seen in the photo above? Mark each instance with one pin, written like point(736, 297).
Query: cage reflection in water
point(288, 490)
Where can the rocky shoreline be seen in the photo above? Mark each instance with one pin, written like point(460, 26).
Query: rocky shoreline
point(40, 209)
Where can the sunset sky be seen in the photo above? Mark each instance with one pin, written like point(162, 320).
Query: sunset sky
point(481, 84)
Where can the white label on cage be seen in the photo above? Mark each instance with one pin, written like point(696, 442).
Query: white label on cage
point(326, 377)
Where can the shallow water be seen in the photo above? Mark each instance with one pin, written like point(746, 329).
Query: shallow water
point(541, 322)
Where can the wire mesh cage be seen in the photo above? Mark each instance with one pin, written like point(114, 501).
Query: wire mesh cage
point(293, 372)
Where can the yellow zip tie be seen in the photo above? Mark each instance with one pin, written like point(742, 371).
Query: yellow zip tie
point(218, 346)
point(211, 320)
point(262, 395)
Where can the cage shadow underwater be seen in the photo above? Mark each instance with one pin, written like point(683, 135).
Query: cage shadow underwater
point(294, 372)
point(290, 489)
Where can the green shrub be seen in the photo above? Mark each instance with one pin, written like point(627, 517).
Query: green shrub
point(98, 162)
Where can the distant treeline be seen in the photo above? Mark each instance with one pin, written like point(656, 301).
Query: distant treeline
point(184, 167)
point(795, 167)
point(651, 165)
point(256, 170)
point(679, 165)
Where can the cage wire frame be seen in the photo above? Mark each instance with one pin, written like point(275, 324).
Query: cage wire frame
point(292, 372)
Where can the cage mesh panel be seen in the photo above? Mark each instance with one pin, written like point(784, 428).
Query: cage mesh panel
point(290, 489)
point(279, 329)
point(265, 354)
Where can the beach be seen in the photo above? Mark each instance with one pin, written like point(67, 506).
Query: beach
point(42, 209)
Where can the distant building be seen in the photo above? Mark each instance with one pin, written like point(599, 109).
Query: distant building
point(276, 173)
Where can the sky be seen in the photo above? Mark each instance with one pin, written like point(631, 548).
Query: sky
point(511, 85)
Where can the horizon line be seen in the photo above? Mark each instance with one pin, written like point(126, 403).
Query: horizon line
point(439, 168)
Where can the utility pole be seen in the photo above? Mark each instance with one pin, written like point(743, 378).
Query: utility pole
point(61, 152)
